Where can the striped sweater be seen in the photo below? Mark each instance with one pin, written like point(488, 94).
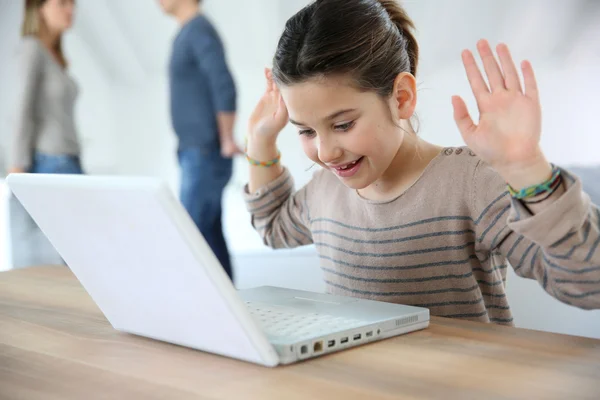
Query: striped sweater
point(444, 244)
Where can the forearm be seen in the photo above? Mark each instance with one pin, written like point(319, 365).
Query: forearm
point(21, 146)
point(563, 255)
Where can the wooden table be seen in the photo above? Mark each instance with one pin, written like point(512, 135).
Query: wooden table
point(55, 344)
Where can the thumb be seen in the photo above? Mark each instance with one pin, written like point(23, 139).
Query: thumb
point(462, 118)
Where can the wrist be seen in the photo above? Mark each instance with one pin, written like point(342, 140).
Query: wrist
point(524, 175)
point(260, 148)
point(226, 138)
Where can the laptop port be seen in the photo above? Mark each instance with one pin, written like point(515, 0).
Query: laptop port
point(317, 347)
point(357, 336)
point(331, 343)
point(369, 334)
point(344, 340)
point(304, 349)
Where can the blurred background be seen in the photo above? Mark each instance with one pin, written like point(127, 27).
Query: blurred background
point(118, 52)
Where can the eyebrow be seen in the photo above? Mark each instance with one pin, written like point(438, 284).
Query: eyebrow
point(328, 118)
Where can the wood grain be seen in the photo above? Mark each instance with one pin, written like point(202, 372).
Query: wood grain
point(56, 344)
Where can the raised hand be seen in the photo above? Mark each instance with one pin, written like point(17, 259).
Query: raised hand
point(270, 114)
point(507, 135)
point(268, 119)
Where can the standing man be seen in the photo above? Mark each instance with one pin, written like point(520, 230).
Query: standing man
point(203, 105)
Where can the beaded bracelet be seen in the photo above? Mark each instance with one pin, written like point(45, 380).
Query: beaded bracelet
point(548, 186)
point(266, 164)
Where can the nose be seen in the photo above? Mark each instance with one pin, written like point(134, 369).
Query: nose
point(328, 149)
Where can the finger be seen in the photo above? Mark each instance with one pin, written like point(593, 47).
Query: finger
point(272, 80)
point(462, 118)
point(269, 79)
point(511, 76)
point(531, 88)
point(478, 85)
point(492, 69)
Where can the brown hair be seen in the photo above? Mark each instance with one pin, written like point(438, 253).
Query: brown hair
point(33, 25)
point(371, 41)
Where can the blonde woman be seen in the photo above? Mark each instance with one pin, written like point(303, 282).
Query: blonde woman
point(44, 139)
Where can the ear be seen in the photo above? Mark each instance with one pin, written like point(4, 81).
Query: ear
point(403, 100)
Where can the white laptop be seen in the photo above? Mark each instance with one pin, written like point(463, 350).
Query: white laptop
point(140, 257)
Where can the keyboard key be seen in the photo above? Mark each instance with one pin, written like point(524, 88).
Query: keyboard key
point(280, 322)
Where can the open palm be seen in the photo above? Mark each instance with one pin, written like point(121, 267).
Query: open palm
point(508, 133)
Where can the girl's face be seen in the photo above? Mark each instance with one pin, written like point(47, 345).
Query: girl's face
point(352, 133)
point(58, 14)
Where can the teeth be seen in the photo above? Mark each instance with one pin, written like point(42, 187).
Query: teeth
point(350, 165)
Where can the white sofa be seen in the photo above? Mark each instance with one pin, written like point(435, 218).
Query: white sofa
point(590, 176)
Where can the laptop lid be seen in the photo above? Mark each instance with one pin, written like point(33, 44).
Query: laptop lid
point(140, 257)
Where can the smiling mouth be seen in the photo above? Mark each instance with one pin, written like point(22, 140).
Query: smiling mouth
point(348, 170)
point(349, 165)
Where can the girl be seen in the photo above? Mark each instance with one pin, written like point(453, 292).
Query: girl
point(393, 217)
point(45, 139)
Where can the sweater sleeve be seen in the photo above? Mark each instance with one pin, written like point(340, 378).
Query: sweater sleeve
point(557, 246)
point(279, 215)
point(22, 139)
point(209, 53)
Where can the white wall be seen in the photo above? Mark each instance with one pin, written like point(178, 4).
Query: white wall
point(9, 36)
point(146, 143)
point(95, 110)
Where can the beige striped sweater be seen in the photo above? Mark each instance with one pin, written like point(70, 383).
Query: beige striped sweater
point(444, 244)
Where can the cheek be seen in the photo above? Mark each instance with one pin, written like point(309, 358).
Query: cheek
point(365, 141)
point(379, 144)
point(363, 144)
point(310, 148)
point(54, 16)
point(66, 18)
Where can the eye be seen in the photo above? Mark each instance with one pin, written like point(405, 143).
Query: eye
point(307, 132)
point(344, 127)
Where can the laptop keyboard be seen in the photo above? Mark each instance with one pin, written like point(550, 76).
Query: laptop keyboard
point(295, 324)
